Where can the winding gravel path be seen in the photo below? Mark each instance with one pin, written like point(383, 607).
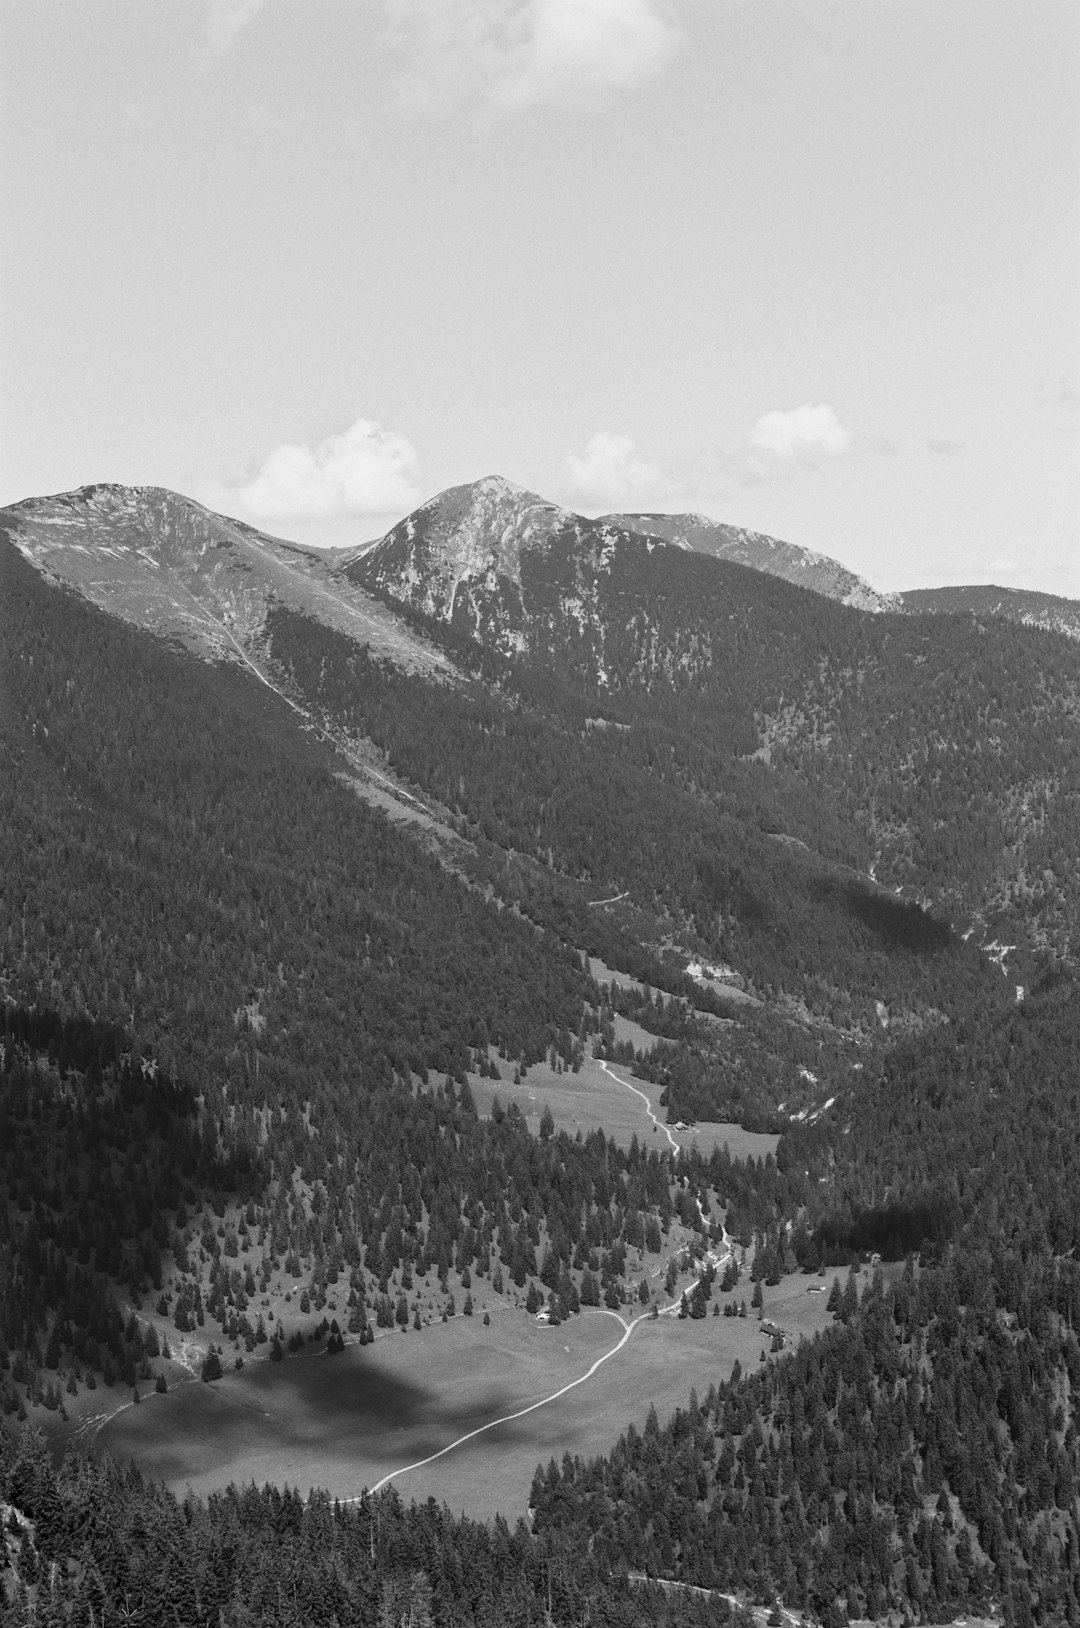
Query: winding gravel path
point(508, 1418)
point(648, 1105)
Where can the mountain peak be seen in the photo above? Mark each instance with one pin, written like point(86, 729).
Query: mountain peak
point(497, 486)
point(493, 500)
point(490, 557)
point(477, 532)
point(475, 556)
point(173, 566)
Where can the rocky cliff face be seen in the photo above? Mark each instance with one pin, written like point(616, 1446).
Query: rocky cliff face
point(468, 534)
point(778, 559)
point(500, 564)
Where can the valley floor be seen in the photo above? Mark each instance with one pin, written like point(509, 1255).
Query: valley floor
point(350, 1421)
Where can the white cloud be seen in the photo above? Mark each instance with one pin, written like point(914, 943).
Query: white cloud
point(366, 470)
point(943, 448)
point(509, 54)
point(610, 475)
point(781, 445)
point(226, 19)
point(803, 435)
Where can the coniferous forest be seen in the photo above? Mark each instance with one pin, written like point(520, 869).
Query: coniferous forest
point(244, 1013)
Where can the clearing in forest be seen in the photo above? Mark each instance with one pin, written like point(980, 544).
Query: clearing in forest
point(596, 1099)
point(345, 1422)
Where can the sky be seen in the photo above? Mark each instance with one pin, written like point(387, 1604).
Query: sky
point(810, 267)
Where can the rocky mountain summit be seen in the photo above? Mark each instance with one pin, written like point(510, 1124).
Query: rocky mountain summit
point(496, 562)
point(459, 557)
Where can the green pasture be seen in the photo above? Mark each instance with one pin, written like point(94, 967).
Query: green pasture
point(591, 1100)
point(344, 1422)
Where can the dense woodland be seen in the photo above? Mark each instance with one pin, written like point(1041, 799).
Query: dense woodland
point(924, 1456)
point(92, 1543)
point(120, 1180)
point(524, 773)
point(940, 751)
point(981, 1123)
point(239, 1012)
point(920, 1458)
point(264, 1093)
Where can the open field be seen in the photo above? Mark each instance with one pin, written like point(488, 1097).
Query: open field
point(592, 1100)
point(345, 1422)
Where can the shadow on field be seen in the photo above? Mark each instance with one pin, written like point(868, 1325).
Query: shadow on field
point(274, 1420)
point(354, 1389)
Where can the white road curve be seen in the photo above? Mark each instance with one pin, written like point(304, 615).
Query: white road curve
point(508, 1418)
point(648, 1105)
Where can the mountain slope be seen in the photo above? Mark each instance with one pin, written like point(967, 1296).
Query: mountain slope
point(229, 979)
point(497, 563)
point(176, 841)
point(1021, 605)
point(963, 794)
point(779, 559)
point(167, 564)
point(721, 691)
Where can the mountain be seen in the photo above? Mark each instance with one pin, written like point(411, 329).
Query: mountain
point(798, 565)
point(712, 670)
point(497, 563)
point(692, 687)
point(208, 584)
point(167, 564)
point(831, 859)
point(1023, 605)
point(493, 560)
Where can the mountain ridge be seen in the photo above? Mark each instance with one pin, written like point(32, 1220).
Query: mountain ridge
point(472, 538)
point(1030, 607)
point(473, 556)
point(802, 566)
point(167, 563)
point(475, 533)
point(714, 670)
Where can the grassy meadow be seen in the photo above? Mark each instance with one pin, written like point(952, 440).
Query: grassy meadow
point(591, 1100)
point(344, 1422)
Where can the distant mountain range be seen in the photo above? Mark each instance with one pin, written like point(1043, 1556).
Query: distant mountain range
point(467, 546)
point(182, 570)
point(735, 641)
